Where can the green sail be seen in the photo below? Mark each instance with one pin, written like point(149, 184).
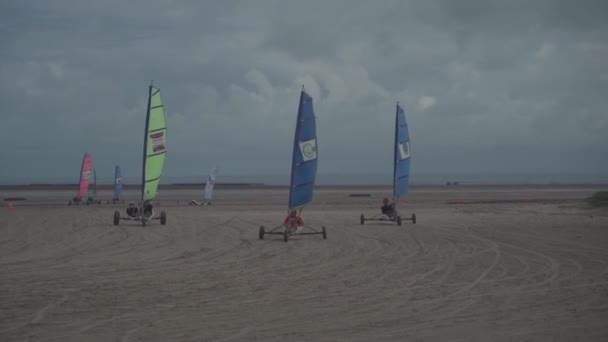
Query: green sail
point(155, 144)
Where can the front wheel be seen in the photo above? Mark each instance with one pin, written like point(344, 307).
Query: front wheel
point(116, 217)
point(286, 235)
point(163, 218)
point(362, 219)
point(70, 203)
point(414, 218)
point(324, 232)
point(399, 220)
point(262, 232)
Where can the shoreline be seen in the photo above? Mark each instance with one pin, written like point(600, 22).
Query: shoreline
point(258, 186)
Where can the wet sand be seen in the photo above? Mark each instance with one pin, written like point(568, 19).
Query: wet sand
point(504, 263)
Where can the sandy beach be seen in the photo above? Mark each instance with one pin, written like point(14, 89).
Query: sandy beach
point(482, 263)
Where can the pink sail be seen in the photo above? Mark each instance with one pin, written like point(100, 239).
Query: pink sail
point(86, 172)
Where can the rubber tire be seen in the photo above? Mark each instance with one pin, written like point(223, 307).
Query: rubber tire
point(285, 236)
point(143, 222)
point(70, 203)
point(398, 220)
point(414, 218)
point(362, 219)
point(324, 232)
point(163, 218)
point(262, 232)
point(116, 217)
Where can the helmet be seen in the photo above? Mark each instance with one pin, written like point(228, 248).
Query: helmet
point(131, 204)
point(293, 213)
point(385, 201)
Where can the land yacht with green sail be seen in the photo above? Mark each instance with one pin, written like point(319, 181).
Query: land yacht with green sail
point(154, 154)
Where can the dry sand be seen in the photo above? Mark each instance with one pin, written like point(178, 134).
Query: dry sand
point(530, 268)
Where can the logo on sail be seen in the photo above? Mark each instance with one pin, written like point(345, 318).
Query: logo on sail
point(118, 180)
point(404, 150)
point(86, 174)
point(309, 149)
point(158, 141)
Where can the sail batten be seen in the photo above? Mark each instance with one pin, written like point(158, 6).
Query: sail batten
point(304, 156)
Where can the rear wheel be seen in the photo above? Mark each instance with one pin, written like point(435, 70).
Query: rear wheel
point(70, 203)
point(116, 217)
point(286, 235)
point(324, 232)
point(399, 220)
point(362, 219)
point(414, 218)
point(262, 232)
point(163, 218)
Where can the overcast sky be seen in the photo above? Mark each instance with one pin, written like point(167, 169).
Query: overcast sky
point(489, 87)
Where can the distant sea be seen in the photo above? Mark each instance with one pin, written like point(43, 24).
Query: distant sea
point(352, 178)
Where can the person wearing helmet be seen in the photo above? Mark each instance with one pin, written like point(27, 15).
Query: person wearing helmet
point(293, 220)
point(388, 209)
point(132, 209)
point(147, 207)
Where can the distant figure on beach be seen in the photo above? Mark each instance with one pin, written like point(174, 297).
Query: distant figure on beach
point(293, 220)
point(388, 209)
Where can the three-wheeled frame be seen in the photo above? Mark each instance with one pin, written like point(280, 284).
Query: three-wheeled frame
point(140, 217)
point(288, 231)
point(388, 218)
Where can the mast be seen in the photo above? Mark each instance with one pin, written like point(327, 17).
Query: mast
point(396, 156)
point(396, 159)
point(84, 158)
point(143, 170)
point(295, 146)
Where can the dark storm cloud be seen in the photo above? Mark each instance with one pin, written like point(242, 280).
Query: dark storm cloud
point(489, 86)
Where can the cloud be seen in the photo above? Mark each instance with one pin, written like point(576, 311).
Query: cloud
point(507, 86)
point(425, 102)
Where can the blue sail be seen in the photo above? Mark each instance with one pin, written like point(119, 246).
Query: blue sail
point(304, 157)
point(402, 155)
point(117, 182)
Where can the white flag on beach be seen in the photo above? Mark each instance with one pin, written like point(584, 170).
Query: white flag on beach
point(210, 184)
